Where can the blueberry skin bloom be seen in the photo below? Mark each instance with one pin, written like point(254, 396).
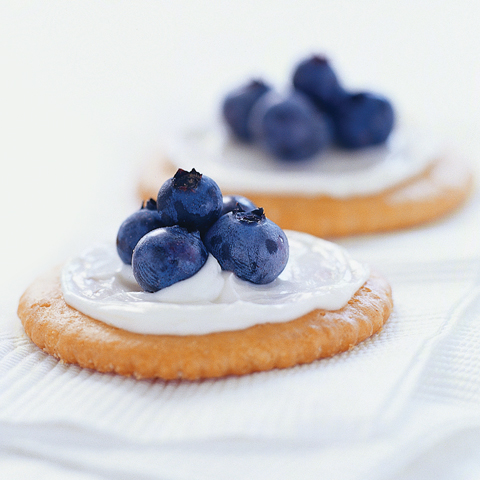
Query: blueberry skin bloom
point(191, 200)
point(289, 127)
point(135, 227)
point(363, 119)
point(237, 105)
point(236, 202)
point(248, 244)
point(315, 78)
point(166, 256)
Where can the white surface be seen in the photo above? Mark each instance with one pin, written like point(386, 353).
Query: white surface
point(88, 91)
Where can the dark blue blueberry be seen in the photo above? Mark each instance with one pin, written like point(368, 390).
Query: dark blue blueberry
point(249, 245)
point(166, 256)
point(234, 202)
point(363, 119)
point(289, 127)
point(135, 227)
point(238, 104)
point(315, 78)
point(191, 200)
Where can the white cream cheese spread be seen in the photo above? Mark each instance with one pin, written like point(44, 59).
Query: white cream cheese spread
point(335, 172)
point(318, 275)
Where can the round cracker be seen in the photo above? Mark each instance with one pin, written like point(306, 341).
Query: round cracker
point(437, 191)
point(73, 337)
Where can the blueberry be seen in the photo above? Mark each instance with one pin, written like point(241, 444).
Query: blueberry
point(249, 245)
point(135, 227)
point(315, 77)
point(232, 202)
point(166, 256)
point(363, 119)
point(289, 127)
point(238, 104)
point(191, 200)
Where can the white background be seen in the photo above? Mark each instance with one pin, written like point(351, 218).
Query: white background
point(90, 90)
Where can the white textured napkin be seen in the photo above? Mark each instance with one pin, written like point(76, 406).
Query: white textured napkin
point(88, 88)
point(400, 403)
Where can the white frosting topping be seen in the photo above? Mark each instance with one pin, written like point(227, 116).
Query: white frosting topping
point(319, 274)
point(340, 173)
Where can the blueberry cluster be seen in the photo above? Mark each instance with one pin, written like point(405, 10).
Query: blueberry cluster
point(169, 239)
point(317, 112)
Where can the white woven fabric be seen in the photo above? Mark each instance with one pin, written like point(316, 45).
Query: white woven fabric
point(369, 413)
point(87, 90)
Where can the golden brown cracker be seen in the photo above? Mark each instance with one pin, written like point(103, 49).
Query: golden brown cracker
point(437, 191)
point(75, 338)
